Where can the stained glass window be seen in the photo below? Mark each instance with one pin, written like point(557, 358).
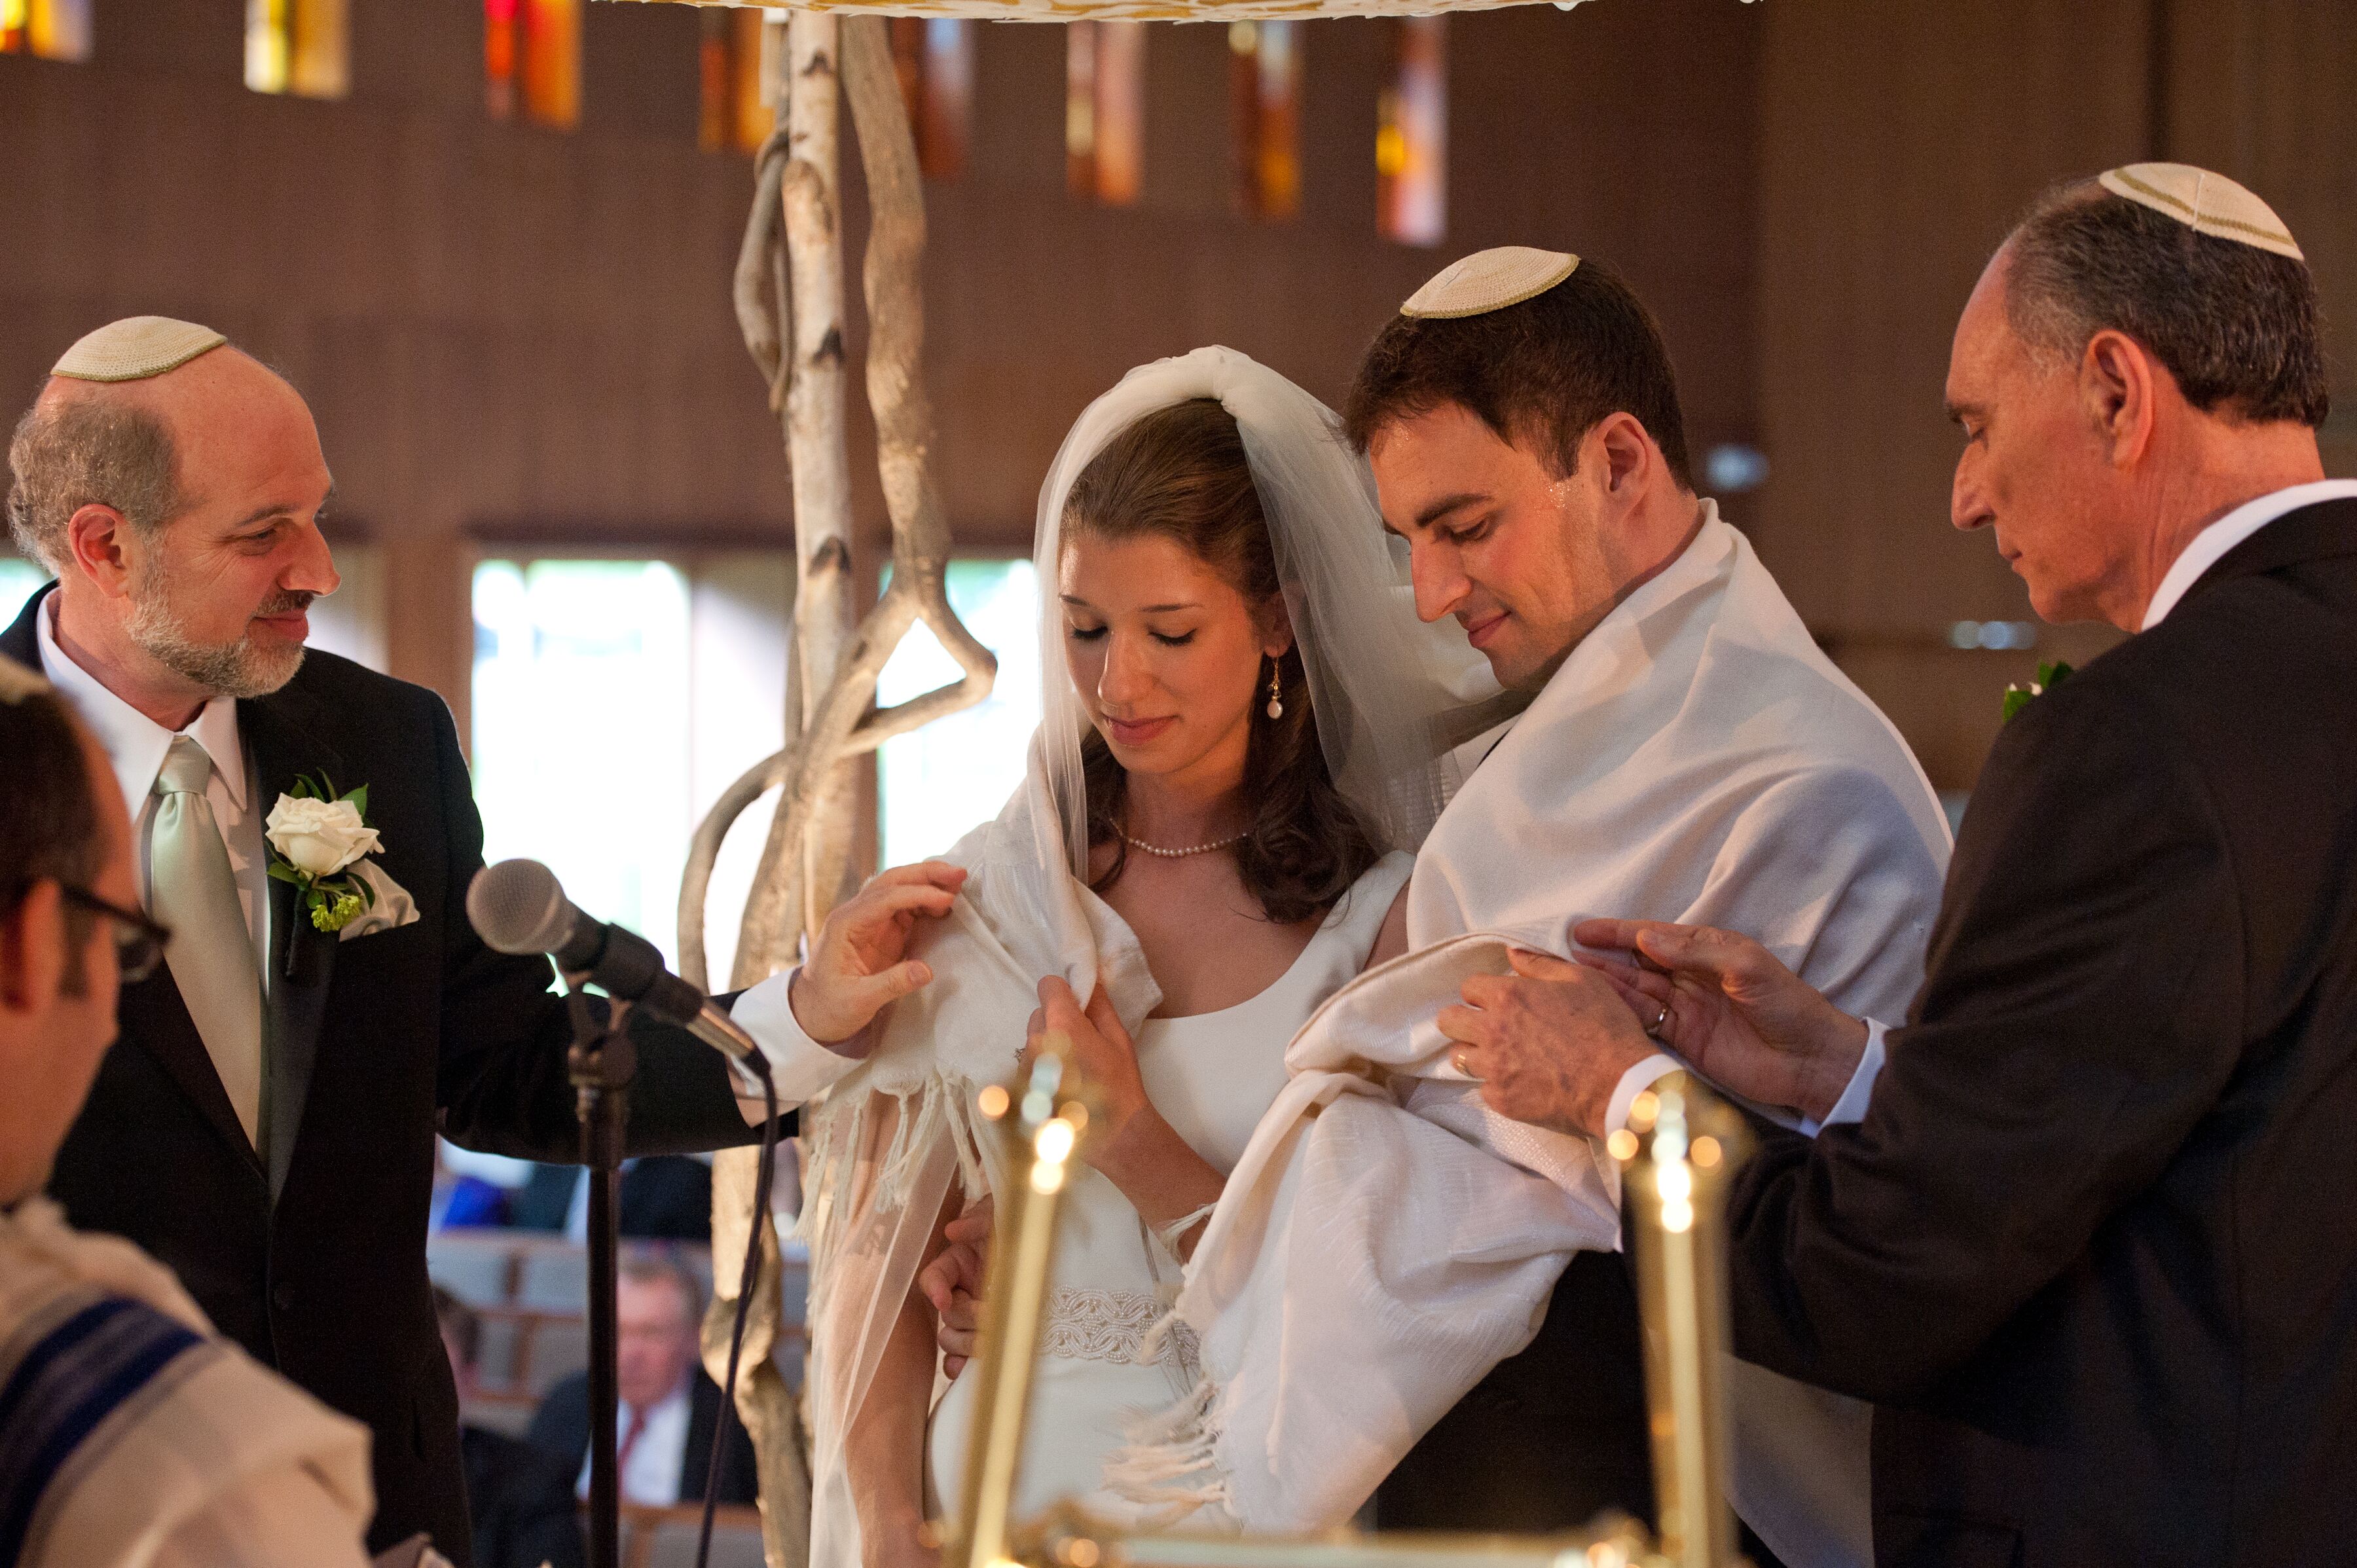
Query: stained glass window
point(1412, 136)
point(1105, 110)
point(53, 29)
point(735, 63)
point(1265, 77)
point(532, 59)
point(300, 46)
point(934, 58)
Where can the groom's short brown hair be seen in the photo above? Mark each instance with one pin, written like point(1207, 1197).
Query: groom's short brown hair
point(1544, 373)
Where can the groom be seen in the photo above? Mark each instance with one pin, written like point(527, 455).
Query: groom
point(1686, 745)
point(266, 1123)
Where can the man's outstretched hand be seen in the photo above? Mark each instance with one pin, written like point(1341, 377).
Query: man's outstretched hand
point(952, 1283)
point(1548, 1043)
point(1725, 1004)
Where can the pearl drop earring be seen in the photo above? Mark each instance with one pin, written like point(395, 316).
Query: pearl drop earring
point(1276, 697)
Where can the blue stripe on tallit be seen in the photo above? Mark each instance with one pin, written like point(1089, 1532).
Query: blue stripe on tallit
point(65, 1384)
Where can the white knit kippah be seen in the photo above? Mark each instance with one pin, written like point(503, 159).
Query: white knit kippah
point(135, 347)
point(2207, 203)
point(1489, 280)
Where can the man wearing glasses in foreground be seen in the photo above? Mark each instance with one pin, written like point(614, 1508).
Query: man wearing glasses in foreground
point(129, 1421)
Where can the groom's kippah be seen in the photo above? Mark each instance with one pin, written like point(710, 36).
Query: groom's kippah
point(1489, 280)
point(135, 347)
point(2205, 202)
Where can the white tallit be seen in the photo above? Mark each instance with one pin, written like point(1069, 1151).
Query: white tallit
point(1385, 1239)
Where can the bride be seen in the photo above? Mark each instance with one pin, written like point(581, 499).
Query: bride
point(1242, 738)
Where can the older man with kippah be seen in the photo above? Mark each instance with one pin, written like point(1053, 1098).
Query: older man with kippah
point(266, 1126)
point(2081, 1228)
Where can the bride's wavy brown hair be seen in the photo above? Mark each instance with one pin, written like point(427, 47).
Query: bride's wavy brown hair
point(1180, 473)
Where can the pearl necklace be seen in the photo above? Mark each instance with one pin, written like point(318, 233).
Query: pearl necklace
point(1183, 854)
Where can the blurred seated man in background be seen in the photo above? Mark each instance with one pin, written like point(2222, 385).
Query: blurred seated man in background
point(519, 1497)
point(668, 1404)
point(127, 1421)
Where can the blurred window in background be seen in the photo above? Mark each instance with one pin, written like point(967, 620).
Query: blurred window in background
point(733, 62)
point(1264, 99)
point(298, 46)
point(53, 29)
point(937, 784)
point(613, 701)
point(934, 60)
point(1105, 110)
point(532, 60)
point(1412, 135)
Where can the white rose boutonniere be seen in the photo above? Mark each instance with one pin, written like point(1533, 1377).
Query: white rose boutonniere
point(316, 837)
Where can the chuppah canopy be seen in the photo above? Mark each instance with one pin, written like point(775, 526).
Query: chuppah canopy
point(1130, 10)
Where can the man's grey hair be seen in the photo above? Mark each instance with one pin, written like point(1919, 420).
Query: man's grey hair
point(72, 452)
point(2236, 326)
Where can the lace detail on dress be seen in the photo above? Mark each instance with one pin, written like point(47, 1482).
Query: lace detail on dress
point(1092, 1325)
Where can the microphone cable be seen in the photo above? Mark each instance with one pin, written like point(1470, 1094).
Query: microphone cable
point(764, 1174)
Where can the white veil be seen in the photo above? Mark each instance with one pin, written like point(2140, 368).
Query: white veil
point(1390, 694)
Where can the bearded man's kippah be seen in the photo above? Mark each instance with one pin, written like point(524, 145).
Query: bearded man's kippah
point(135, 348)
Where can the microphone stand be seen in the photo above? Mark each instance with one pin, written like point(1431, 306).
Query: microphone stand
point(601, 1064)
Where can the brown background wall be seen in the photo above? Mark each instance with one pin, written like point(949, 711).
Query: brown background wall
point(513, 333)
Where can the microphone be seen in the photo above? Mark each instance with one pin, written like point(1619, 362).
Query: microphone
point(518, 906)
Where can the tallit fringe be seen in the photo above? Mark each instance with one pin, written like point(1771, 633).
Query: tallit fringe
point(1169, 1461)
point(833, 1131)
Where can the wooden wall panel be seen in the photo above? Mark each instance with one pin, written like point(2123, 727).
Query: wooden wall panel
point(508, 332)
point(2265, 91)
point(1895, 143)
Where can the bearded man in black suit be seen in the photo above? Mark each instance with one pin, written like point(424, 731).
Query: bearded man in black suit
point(265, 1122)
point(2079, 1228)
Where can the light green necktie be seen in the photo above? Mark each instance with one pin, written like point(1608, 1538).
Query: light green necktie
point(211, 955)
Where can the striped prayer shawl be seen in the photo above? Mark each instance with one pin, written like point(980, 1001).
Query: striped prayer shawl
point(73, 1377)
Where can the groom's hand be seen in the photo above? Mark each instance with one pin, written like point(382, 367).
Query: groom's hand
point(1548, 1042)
point(1725, 1004)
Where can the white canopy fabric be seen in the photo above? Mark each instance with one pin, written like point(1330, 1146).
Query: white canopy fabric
point(1131, 10)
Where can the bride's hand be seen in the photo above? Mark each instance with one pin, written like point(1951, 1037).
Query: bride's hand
point(1101, 1053)
point(858, 963)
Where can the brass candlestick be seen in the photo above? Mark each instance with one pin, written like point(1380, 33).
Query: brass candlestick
point(1676, 1155)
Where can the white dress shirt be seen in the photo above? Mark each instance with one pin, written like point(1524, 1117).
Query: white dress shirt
point(2211, 546)
point(651, 1476)
point(2206, 549)
point(801, 1066)
point(136, 746)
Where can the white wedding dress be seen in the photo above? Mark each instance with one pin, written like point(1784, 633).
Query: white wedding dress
point(1211, 1075)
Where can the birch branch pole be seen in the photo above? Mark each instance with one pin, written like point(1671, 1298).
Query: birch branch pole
point(788, 296)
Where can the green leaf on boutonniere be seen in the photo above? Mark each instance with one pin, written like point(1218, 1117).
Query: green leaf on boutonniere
point(2050, 674)
point(359, 800)
point(286, 873)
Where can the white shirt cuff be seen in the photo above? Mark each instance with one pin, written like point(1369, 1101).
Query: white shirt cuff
point(1634, 1082)
point(1851, 1106)
point(802, 1067)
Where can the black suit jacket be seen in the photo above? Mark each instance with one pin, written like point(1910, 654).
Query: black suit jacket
point(2091, 1252)
point(312, 1254)
point(522, 1499)
point(561, 1427)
